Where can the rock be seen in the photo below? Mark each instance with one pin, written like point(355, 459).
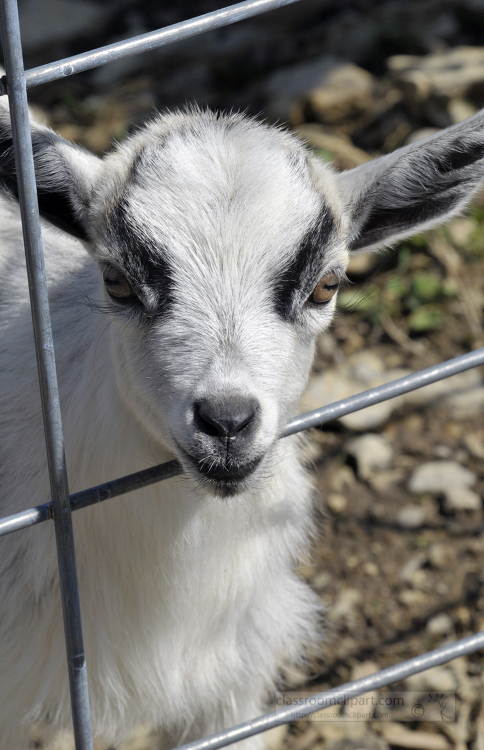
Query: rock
point(338, 147)
point(332, 88)
point(461, 382)
point(372, 453)
point(438, 555)
point(274, 738)
point(411, 566)
point(461, 498)
point(284, 87)
point(294, 676)
point(451, 74)
point(357, 739)
point(336, 503)
point(385, 480)
point(307, 740)
point(460, 110)
point(440, 679)
point(321, 580)
point(461, 456)
point(412, 598)
point(365, 367)
point(46, 23)
point(466, 405)
point(398, 736)
point(342, 479)
point(371, 417)
point(337, 384)
point(474, 442)
point(347, 735)
point(364, 370)
point(346, 92)
point(361, 264)
point(326, 345)
point(461, 231)
point(363, 669)
point(345, 604)
point(440, 476)
point(412, 516)
point(441, 624)
point(463, 616)
point(442, 451)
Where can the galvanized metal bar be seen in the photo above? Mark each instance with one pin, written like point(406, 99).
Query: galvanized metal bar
point(24, 165)
point(25, 518)
point(314, 418)
point(150, 41)
point(384, 392)
point(91, 496)
point(320, 701)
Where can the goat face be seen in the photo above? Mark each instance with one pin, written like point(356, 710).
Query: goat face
point(222, 243)
point(219, 235)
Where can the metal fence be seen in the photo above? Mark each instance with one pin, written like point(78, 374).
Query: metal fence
point(59, 509)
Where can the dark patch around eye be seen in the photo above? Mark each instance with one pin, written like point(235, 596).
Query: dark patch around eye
point(305, 265)
point(143, 262)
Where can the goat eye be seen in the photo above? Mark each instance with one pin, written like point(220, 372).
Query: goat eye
point(117, 284)
point(326, 289)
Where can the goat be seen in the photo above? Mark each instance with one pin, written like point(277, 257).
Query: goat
point(214, 246)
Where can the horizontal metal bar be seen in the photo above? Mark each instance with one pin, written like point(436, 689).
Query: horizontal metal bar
point(93, 495)
point(320, 701)
point(25, 518)
point(303, 422)
point(125, 484)
point(384, 392)
point(150, 41)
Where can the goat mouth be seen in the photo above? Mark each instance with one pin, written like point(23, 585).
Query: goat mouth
point(225, 478)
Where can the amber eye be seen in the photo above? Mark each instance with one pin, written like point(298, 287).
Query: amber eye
point(117, 284)
point(326, 289)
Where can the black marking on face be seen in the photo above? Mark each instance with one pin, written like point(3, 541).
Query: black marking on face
point(294, 281)
point(54, 205)
point(145, 264)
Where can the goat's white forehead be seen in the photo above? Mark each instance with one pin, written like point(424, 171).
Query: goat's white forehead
point(218, 193)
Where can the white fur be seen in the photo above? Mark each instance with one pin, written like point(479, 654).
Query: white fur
point(190, 602)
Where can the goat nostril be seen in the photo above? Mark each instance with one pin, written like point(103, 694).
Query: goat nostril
point(225, 417)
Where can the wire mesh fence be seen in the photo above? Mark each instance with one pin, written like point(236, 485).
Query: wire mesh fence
point(15, 83)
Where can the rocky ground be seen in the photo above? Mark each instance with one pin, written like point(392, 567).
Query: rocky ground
point(399, 487)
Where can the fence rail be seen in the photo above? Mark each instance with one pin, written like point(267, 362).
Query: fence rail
point(315, 418)
point(59, 509)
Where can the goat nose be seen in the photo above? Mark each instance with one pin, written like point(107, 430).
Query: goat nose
point(225, 417)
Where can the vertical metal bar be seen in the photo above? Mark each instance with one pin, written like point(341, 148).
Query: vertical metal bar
point(24, 164)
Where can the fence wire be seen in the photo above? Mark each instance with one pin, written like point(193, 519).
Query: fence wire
point(15, 83)
point(315, 418)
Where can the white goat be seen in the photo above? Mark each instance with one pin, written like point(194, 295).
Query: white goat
point(214, 246)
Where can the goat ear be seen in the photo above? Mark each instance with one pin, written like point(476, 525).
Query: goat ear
point(414, 188)
point(64, 174)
